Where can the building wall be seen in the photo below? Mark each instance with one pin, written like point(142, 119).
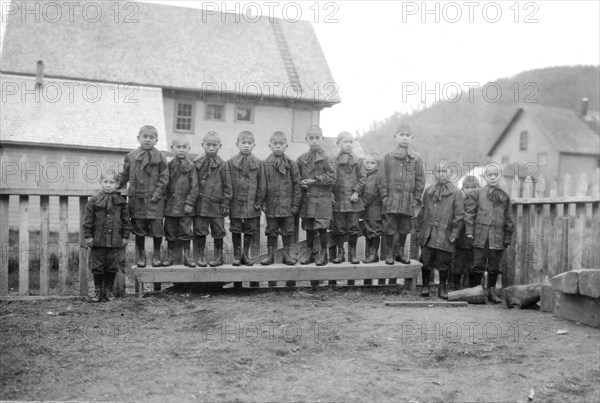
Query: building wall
point(537, 144)
point(293, 121)
point(575, 165)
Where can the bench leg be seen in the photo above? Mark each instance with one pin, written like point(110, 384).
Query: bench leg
point(411, 284)
point(140, 289)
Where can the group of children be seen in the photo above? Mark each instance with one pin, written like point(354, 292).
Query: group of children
point(184, 200)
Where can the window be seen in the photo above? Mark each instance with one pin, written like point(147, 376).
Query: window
point(244, 113)
point(505, 159)
point(523, 141)
point(184, 116)
point(542, 159)
point(214, 112)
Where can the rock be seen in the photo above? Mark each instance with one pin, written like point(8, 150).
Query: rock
point(522, 296)
point(566, 282)
point(589, 282)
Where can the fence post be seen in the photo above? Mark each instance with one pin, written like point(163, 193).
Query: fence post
point(63, 240)
point(83, 264)
point(44, 243)
point(23, 257)
point(4, 244)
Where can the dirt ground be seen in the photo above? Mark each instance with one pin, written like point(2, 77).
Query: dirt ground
point(331, 344)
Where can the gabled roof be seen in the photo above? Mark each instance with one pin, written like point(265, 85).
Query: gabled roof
point(562, 127)
point(96, 121)
point(172, 47)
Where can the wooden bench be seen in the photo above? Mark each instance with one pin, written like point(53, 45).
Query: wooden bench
point(278, 272)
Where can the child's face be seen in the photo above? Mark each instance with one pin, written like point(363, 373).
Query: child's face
point(345, 144)
point(108, 184)
point(370, 164)
point(441, 174)
point(314, 141)
point(403, 139)
point(470, 188)
point(147, 139)
point(180, 150)
point(492, 176)
point(245, 145)
point(211, 146)
point(278, 146)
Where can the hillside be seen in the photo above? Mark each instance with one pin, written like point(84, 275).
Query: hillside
point(465, 131)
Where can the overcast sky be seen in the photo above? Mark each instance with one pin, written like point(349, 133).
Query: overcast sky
point(376, 50)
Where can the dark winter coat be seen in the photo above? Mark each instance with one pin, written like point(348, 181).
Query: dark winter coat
point(214, 185)
point(351, 177)
point(148, 175)
point(182, 189)
point(106, 220)
point(316, 200)
point(403, 181)
point(245, 186)
point(372, 197)
point(280, 186)
point(489, 221)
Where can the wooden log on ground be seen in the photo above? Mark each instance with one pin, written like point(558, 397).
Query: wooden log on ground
point(566, 282)
point(473, 295)
point(522, 296)
point(578, 308)
point(428, 304)
point(589, 282)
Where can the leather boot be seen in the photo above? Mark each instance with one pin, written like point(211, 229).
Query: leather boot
point(475, 279)
point(237, 249)
point(139, 246)
point(287, 257)
point(373, 257)
point(425, 289)
point(308, 258)
point(401, 257)
point(492, 297)
point(341, 253)
point(270, 259)
point(352, 258)
point(98, 290)
point(156, 262)
point(322, 260)
point(389, 241)
point(442, 292)
point(187, 259)
point(368, 243)
point(246, 261)
point(109, 281)
point(218, 254)
point(199, 250)
point(168, 259)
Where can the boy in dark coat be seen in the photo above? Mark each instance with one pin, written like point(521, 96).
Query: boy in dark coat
point(317, 174)
point(441, 220)
point(463, 261)
point(372, 223)
point(106, 229)
point(403, 179)
point(213, 202)
point(351, 177)
point(182, 193)
point(490, 226)
point(147, 173)
point(245, 171)
point(281, 198)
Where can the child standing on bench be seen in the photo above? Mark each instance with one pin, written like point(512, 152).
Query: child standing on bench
point(246, 172)
point(441, 220)
point(463, 261)
point(106, 229)
point(351, 177)
point(213, 202)
point(147, 173)
point(490, 227)
point(403, 179)
point(281, 198)
point(372, 223)
point(182, 193)
point(317, 177)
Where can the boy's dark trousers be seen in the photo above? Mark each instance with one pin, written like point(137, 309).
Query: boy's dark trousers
point(393, 224)
point(439, 259)
point(201, 231)
point(463, 266)
point(248, 227)
point(346, 225)
point(485, 259)
point(104, 264)
point(178, 233)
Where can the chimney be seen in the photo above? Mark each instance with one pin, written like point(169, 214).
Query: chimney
point(584, 107)
point(39, 77)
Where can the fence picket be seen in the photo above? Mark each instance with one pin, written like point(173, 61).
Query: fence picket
point(83, 263)
point(23, 257)
point(44, 243)
point(4, 244)
point(63, 240)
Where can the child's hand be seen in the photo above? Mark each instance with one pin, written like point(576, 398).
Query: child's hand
point(294, 210)
point(125, 240)
point(470, 237)
point(416, 202)
point(155, 199)
point(188, 209)
point(452, 239)
point(333, 202)
point(224, 211)
point(354, 197)
point(257, 207)
point(305, 183)
point(87, 242)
